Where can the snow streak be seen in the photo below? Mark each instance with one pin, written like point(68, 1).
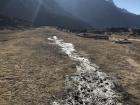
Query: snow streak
point(87, 86)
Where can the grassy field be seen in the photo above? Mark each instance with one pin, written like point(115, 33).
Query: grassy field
point(32, 71)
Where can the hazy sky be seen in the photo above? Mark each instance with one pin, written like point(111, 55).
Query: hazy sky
point(131, 5)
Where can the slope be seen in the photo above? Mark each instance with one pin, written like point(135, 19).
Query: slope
point(41, 12)
point(6, 21)
point(33, 69)
point(101, 13)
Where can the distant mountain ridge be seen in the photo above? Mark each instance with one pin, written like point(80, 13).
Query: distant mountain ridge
point(41, 12)
point(76, 14)
point(101, 13)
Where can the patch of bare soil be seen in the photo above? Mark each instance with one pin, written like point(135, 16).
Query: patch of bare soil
point(133, 63)
point(32, 71)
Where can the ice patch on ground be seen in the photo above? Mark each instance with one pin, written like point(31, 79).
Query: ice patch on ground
point(138, 40)
point(88, 86)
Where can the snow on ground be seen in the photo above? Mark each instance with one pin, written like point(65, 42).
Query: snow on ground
point(88, 86)
point(138, 40)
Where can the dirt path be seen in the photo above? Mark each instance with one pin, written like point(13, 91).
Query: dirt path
point(133, 63)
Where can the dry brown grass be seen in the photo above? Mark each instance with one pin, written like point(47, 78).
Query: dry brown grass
point(32, 71)
point(113, 59)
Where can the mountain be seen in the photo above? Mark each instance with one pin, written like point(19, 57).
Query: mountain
point(41, 12)
point(6, 21)
point(100, 13)
point(76, 14)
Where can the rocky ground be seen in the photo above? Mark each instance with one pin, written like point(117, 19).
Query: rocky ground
point(33, 69)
